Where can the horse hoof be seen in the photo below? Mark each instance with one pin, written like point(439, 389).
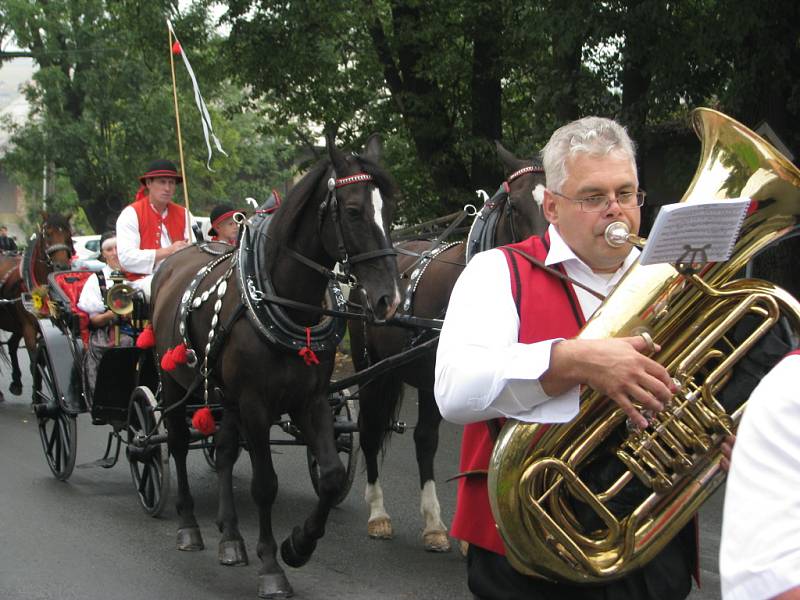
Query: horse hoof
point(436, 541)
point(189, 539)
point(291, 553)
point(232, 553)
point(15, 388)
point(380, 528)
point(274, 586)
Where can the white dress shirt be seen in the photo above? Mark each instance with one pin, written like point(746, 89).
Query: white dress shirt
point(482, 371)
point(759, 553)
point(132, 258)
point(91, 300)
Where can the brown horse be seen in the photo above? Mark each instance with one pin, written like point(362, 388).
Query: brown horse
point(49, 250)
point(511, 215)
point(277, 355)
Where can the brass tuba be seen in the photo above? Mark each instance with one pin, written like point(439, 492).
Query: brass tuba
point(537, 473)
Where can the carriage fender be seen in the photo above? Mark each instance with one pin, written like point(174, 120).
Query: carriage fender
point(64, 364)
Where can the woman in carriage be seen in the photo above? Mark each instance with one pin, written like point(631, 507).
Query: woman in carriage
point(106, 328)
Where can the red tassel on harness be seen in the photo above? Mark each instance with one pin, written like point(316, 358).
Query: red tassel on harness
point(203, 421)
point(146, 339)
point(168, 362)
point(307, 353)
point(179, 354)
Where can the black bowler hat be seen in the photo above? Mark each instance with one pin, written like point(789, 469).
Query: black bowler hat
point(218, 214)
point(161, 168)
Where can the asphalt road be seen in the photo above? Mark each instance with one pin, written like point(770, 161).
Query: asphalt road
point(88, 539)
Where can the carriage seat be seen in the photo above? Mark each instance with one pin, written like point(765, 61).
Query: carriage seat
point(65, 291)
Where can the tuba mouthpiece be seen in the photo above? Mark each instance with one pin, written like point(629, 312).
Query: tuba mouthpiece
point(618, 234)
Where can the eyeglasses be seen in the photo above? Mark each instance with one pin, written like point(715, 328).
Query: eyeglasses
point(626, 200)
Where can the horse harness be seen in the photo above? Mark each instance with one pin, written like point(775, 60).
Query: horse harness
point(264, 309)
point(482, 233)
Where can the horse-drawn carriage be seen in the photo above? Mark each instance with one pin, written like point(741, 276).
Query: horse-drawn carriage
point(125, 397)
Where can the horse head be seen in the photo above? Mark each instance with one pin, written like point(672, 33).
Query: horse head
point(522, 214)
point(54, 240)
point(355, 220)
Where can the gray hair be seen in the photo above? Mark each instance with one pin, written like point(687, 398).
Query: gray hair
point(596, 136)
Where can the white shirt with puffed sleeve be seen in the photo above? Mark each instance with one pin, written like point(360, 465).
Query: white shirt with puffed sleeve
point(91, 300)
point(132, 258)
point(482, 370)
point(760, 546)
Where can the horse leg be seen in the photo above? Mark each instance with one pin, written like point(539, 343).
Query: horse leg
point(272, 581)
point(16, 374)
point(232, 550)
point(374, 417)
point(188, 536)
point(316, 424)
point(426, 441)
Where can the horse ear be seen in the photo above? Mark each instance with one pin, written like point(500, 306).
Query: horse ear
point(337, 157)
point(68, 217)
point(373, 149)
point(511, 162)
point(43, 215)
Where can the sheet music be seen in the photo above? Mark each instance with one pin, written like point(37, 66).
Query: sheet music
point(695, 232)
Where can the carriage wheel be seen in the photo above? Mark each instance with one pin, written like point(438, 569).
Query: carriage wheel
point(57, 429)
point(149, 462)
point(347, 446)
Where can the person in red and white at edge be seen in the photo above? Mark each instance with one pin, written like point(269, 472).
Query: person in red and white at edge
point(223, 226)
point(760, 547)
point(511, 355)
point(153, 227)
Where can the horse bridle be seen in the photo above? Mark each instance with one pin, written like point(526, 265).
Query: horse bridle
point(331, 205)
point(53, 248)
point(510, 208)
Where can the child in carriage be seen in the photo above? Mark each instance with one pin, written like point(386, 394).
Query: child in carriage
point(224, 227)
point(102, 320)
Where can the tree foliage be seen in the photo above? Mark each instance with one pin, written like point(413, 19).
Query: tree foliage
point(102, 105)
point(443, 78)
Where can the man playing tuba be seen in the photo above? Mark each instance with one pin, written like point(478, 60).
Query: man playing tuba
point(505, 352)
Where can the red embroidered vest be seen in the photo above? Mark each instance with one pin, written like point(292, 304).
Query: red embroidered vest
point(548, 309)
point(150, 224)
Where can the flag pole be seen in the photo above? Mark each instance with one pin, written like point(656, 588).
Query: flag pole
point(180, 142)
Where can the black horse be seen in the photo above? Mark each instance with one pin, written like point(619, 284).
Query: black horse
point(50, 250)
point(277, 356)
point(511, 215)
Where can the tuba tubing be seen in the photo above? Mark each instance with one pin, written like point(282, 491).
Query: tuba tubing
point(535, 470)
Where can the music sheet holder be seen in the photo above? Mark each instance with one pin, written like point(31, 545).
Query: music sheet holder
point(695, 232)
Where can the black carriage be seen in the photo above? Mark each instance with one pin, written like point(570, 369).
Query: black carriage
point(126, 397)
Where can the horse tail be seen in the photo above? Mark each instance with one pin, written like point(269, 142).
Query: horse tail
point(382, 397)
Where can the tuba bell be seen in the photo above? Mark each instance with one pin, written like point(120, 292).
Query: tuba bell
point(555, 521)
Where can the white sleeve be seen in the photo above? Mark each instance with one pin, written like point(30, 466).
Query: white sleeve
point(91, 300)
point(482, 371)
point(131, 257)
point(760, 542)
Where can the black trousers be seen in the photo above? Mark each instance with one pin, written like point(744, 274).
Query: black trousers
point(666, 577)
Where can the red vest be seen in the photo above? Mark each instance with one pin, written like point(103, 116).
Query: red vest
point(150, 223)
point(548, 309)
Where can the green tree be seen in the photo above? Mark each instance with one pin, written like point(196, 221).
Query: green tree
point(102, 104)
